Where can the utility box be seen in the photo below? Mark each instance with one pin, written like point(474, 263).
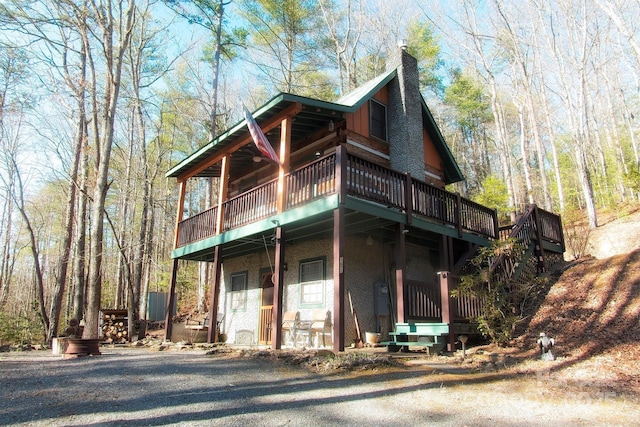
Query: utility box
point(157, 306)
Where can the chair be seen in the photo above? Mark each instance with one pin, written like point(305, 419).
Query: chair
point(290, 324)
point(320, 324)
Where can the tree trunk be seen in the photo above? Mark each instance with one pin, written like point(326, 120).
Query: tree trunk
point(80, 278)
point(61, 276)
point(110, 102)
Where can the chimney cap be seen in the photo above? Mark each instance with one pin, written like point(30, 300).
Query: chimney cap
point(402, 44)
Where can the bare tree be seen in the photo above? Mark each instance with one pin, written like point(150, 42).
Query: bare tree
point(517, 57)
point(344, 31)
point(13, 63)
point(115, 36)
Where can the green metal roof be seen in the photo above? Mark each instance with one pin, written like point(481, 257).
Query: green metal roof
point(315, 115)
point(354, 99)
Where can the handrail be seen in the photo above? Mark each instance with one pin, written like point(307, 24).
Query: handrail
point(524, 232)
point(388, 187)
point(198, 226)
point(364, 179)
point(253, 205)
point(311, 182)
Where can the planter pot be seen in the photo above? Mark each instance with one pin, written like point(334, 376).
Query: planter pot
point(82, 347)
point(372, 337)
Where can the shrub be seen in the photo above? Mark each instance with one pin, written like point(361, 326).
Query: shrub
point(506, 301)
point(17, 330)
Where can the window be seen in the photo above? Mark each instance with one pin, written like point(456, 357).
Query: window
point(312, 282)
point(239, 291)
point(378, 119)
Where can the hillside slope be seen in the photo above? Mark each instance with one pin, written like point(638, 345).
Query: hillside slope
point(593, 312)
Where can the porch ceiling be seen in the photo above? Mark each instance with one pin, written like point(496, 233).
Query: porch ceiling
point(321, 226)
point(314, 116)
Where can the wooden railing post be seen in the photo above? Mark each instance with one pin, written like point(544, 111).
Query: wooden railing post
point(408, 198)
point(458, 213)
point(447, 306)
point(285, 144)
point(222, 193)
point(561, 231)
point(536, 219)
point(341, 173)
point(180, 212)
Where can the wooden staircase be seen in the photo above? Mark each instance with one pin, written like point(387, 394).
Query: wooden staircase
point(539, 237)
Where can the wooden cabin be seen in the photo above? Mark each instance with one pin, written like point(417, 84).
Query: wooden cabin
point(353, 232)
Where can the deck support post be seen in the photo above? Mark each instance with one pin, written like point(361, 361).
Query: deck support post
point(401, 259)
point(276, 313)
point(171, 301)
point(447, 306)
point(338, 278)
point(212, 324)
point(408, 197)
point(458, 214)
point(540, 252)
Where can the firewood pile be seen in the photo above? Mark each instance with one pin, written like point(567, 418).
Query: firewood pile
point(115, 326)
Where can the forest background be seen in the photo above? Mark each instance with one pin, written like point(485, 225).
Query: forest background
point(99, 98)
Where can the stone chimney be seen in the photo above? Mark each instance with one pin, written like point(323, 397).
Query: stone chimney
point(404, 115)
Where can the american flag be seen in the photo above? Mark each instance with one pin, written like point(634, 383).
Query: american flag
point(259, 138)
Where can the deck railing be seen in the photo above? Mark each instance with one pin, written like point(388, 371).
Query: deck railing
point(364, 180)
point(312, 182)
point(376, 183)
point(197, 227)
point(423, 302)
point(254, 205)
point(551, 227)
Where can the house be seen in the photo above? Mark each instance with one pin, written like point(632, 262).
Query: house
point(354, 223)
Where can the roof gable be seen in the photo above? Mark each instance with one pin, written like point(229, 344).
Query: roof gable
point(314, 114)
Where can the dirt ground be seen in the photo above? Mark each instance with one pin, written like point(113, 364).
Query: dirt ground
point(179, 385)
point(592, 311)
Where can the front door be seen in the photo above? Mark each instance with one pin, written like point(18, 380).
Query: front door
point(266, 307)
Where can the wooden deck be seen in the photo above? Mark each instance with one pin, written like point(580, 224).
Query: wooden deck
point(360, 179)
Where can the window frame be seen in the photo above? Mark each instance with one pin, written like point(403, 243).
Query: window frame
point(384, 124)
point(238, 298)
point(320, 283)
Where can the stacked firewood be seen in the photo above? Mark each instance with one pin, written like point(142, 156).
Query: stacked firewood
point(114, 329)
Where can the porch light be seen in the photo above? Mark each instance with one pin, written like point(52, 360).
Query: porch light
point(257, 159)
point(369, 241)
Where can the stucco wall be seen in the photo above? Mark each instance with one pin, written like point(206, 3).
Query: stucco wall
point(254, 264)
point(367, 262)
point(364, 266)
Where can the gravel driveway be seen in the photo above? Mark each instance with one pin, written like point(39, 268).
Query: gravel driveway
point(136, 386)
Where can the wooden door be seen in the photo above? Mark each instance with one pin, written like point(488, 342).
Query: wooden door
point(266, 309)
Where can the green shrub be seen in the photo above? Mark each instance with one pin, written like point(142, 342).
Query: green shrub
point(506, 302)
point(18, 330)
